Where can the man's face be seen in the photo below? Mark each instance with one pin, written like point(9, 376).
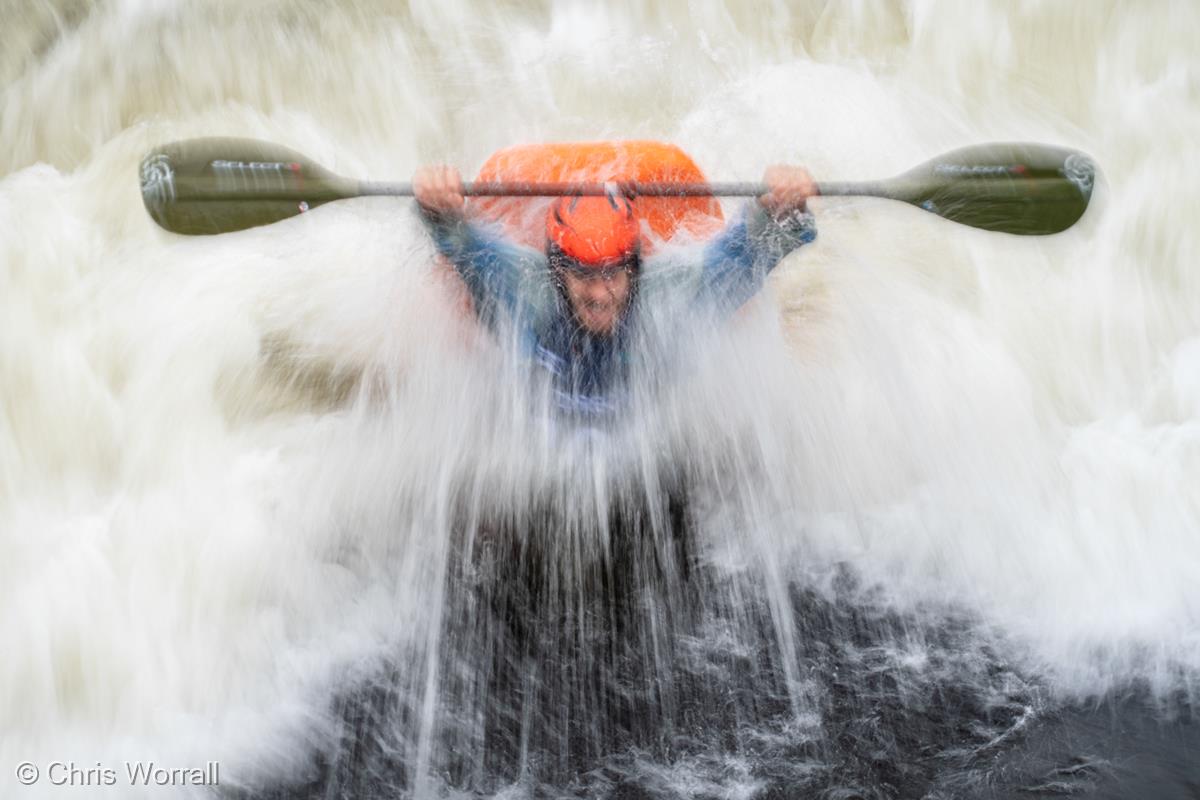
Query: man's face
point(598, 299)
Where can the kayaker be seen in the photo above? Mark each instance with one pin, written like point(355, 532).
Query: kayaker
point(571, 307)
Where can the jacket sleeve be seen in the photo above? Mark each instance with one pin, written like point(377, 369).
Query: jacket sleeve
point(737, 262)
point(493, 267)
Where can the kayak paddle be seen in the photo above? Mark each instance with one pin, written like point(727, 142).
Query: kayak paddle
point(207, 186)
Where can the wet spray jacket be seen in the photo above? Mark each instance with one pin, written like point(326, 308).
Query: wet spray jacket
point(516, 295)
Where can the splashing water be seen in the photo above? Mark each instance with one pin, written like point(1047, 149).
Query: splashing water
point(917, 523)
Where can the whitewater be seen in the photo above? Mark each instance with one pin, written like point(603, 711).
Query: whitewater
point(939, 485)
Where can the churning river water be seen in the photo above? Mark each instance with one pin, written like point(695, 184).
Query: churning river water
point(923, 521)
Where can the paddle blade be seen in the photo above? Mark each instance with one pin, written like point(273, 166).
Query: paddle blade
point(1027, 189)
point(207, 186)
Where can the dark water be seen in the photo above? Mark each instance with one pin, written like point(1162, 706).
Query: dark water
point(641, 670)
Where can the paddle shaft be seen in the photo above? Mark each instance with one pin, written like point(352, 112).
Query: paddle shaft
point(626, 188)
point(512, 189)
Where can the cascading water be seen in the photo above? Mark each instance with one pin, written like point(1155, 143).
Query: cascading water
point(919, 522)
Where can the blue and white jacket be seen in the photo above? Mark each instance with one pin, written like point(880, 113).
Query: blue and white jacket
point(516, 297)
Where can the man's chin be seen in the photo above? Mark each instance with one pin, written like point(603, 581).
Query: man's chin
point(598, 324)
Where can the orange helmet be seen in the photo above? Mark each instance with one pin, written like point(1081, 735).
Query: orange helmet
point(595, 233)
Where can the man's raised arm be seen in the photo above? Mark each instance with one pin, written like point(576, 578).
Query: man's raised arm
point(488, 263)
point(737, 262)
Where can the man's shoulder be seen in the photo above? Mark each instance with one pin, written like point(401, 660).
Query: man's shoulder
point(674, 267)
